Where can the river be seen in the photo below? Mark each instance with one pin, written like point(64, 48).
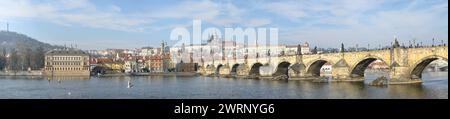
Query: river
point(435, 85)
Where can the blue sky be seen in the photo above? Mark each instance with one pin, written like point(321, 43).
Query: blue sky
point(104, 24)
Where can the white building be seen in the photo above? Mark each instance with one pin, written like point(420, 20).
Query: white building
point(326, 69)
point(292, 49)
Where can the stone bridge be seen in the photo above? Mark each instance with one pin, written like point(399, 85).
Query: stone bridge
point(405, 65)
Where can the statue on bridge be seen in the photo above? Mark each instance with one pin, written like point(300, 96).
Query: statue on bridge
point(299, 49)
point(396, 44)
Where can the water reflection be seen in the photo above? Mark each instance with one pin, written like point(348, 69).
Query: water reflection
point(346, 90)
point(435, 86)
point(68, 78)
point(400, 91)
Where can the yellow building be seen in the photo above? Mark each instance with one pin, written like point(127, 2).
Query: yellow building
point(114, 66)
point(66, 62)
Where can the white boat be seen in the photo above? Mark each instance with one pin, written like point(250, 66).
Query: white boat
point(129, 84)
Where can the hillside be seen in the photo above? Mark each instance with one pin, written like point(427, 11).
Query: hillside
point(19, 41)
point(20, 52)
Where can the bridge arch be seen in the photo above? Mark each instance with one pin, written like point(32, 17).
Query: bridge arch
point(217, 71)
point(234, 68)
point(314, 67)
point(359, 68)
point(282, 69)
point(254, 70)
point(419, 67)
point(100, 69)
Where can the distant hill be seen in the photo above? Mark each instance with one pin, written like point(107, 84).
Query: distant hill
point(23, 52)
point(19, 41)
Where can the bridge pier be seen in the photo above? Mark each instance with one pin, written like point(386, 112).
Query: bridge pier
point(209, 70)
point(202, 70)
point(401, 75)
point(341, 72)
point(224, 71)
point(301, 77)
point(298, 72)
point(242, 71)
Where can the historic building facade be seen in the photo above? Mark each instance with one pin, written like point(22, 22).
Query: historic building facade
point(66, 62)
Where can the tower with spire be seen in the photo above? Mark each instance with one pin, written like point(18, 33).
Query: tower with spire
point(163, 47)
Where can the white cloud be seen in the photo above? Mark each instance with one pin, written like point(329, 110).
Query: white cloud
point(188, 9)
point(17, 8)
point(84, 13)
point(318, 22)
point(74, 4)
point(258, 22)
point(115, 8)
point(73, 12)
point(221, 14)
point(378, 27)
point(290, 10)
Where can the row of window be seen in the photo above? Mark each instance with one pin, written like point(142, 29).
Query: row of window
point(64, 58)
point(65, 63)
point(155, 64)
point(67, 68)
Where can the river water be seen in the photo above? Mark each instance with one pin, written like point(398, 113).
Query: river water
point(435, 85)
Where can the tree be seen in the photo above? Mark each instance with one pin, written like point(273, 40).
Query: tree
point(38, 58)
point(2, 62)
point(4, 52)
point(13, 60)
point(342, 47)
point(3, 59)
point(27, 58)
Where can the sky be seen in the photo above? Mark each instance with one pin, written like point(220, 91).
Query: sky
point(103, 24)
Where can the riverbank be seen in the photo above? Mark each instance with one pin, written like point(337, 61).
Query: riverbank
point(40, 73)
point(152, 74)
point(21, 73)
point(166, 74)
